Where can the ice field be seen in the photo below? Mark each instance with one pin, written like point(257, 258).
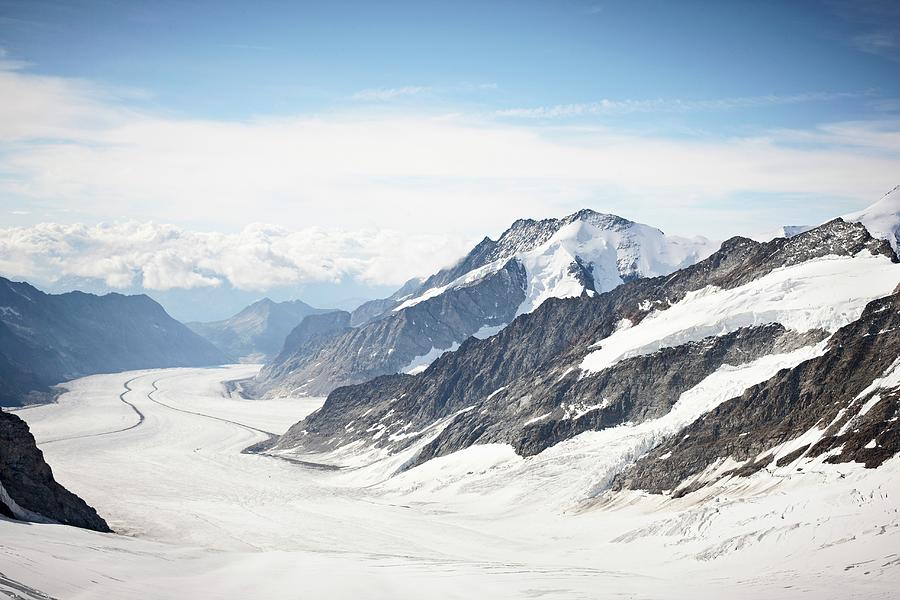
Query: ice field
point(161, 460)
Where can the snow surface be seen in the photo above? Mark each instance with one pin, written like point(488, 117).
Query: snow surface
point(638, 249)
point(882, 219)
point(825, 293)
point(203, 520)
point(420, 363)
point(610, 254)
point(785, 231)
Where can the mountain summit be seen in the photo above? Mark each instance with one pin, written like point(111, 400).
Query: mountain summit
point(882, 219)
point(634, 366)
point(258, 331)
point(583, 253)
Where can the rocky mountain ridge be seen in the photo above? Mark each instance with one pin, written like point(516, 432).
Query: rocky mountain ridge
point(257, 332)
point(537, 382)
point(844, 404)
point(585, 252)
point(49, 338)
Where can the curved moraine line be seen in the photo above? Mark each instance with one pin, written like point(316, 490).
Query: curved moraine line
point(140, 420)
point(251, 449)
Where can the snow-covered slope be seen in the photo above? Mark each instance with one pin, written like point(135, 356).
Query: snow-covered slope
point(202, 519)
point(583, 253)
point(652, 356)
point(825, 293)
point(882, 219)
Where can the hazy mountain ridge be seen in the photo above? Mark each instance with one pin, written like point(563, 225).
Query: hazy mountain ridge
point(257, 332)
point(46, 338)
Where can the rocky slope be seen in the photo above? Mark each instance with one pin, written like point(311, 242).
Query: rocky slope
point(257, 333)
point(46, 339)
point(27, 489)
point(586, 252)
point(844, 404)
point(630, 357)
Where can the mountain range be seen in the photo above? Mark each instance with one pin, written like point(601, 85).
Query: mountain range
point(762, 355)
point(49, 338)
point(584, 253)
point(256, 333)
point(684, 364)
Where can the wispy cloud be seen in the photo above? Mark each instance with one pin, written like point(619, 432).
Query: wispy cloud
point(72, 152)
point(877, 23)
point(884, 43)
point(618, 107)
point(387, 94)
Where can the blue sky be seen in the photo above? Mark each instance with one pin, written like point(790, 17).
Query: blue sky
point(238, 60)
point(438, 122)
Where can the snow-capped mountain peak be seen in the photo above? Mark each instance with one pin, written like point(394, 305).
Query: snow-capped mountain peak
point(882, 219)
point(585, 251)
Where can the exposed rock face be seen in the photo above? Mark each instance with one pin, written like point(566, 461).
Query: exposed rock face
point(498, 280)
point(315, 330)
point(524, 387)
point(27, 488)
point(46, 339)
point(307, 339)
point(257, 333)
point(367, 311)
point(849, 398)
point(389, 345)
point(534, 415)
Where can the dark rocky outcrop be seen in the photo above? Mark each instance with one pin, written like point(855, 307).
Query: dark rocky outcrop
point(49, 338)
point(387, 345)
point(533, 415)
point(827, 393)
point(28, 488)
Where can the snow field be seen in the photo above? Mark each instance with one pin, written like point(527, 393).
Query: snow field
point(203, 520)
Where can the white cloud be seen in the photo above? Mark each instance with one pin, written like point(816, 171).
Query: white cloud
point(71, 151)
point(385, 94)
point(388, 94)
point(260, 257)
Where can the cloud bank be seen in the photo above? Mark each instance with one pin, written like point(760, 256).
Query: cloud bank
point(72, 151)
point(260, 257)
point(394, 193)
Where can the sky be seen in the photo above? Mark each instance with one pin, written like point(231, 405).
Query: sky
point(210, 153)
